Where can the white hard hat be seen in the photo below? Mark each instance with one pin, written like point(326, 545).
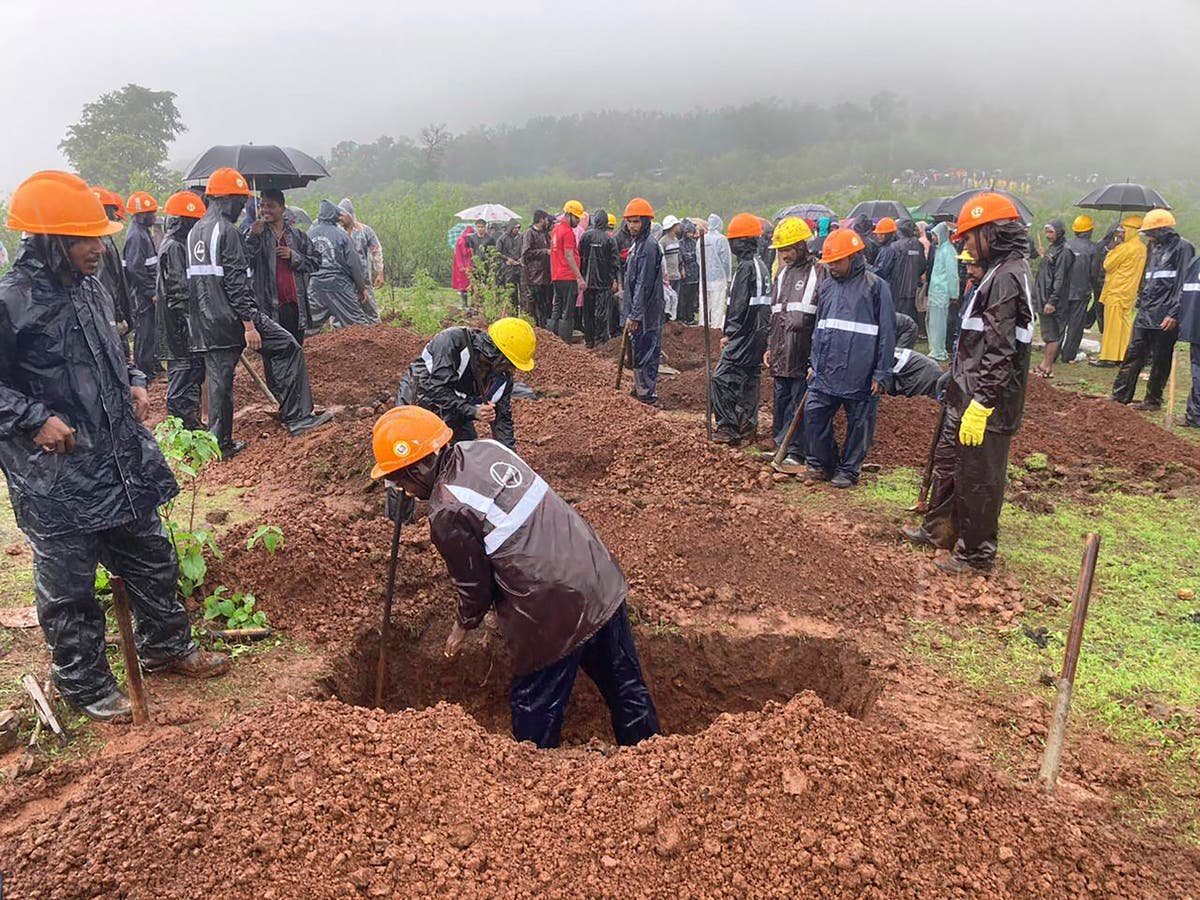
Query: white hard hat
point(669, 222)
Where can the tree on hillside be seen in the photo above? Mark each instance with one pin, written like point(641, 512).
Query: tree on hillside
point(121, 139)
point(433, 141)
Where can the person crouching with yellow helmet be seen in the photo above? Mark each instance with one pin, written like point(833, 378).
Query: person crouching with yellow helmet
point(465, 377)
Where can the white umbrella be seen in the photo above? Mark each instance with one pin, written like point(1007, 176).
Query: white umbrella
point(489, 212)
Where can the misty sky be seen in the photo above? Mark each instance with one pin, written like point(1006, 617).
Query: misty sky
point(312, 73)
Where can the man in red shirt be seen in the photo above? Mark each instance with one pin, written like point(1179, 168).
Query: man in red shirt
point(565, 277)
point(283, 259)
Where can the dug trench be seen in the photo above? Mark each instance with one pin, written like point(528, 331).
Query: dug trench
point(694, 676)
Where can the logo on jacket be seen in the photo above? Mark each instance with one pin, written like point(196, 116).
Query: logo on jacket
point(506, 475)
point(198, 251)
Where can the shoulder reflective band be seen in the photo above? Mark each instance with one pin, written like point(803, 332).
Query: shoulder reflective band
point(1162, 273)
point(210, 267)
point(498, 394)
point(760, 298)
point(1025, 333)
point(151, 260)
point(427, 358)
point(902, 358)
point(810, 288)
point(464, 360)
point(849, 325)
point(504, 524)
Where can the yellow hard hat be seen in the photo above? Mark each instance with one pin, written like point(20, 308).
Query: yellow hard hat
point(612, 221)
point(790, 231)
point(1082, 224)
point(1158, 218)
point(516, 340)
point(966, 257)
point(1132, 221)
point(574, 208)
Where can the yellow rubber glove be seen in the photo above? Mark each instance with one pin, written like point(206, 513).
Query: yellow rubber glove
point(973, 425)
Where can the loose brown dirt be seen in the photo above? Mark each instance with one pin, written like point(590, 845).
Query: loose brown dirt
point(766, 784)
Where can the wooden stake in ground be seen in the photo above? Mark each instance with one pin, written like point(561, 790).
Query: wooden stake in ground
point(624, 352)
point(133, 666)
point(41, 705)
point(782, 449)
point(1169, 418)
point(707, 335)
point(386, 626)
point(1066, 682)
point(922, 504)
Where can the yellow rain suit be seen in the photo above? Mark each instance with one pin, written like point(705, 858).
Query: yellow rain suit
point(1123, 268)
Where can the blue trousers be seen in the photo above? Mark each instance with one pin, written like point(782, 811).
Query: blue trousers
point(539, 700)
point(647, 351)
point(788, 392)
point(823, 453)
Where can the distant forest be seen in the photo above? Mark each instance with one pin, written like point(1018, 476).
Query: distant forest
point(843, 143)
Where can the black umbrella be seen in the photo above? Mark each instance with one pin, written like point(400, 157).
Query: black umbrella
point(806, 211)
point(265, 166)
point(877, 209)
point(1124, 198)
point(952, 206)
point(930, 208)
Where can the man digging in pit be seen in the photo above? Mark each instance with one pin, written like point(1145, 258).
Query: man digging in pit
point(514, 547)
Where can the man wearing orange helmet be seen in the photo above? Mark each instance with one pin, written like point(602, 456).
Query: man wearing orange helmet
point(985, 396)
point(141, 265)
point(644, 302)
point(85, 476)
point(225, 319)
point(738, 375)
point(516, 549)
point(853, 348)
point(185, 368)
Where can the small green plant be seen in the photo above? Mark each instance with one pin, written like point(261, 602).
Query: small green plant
point(422, 305)
point(236, 609)
point(488, 291)
point(270, 536)
point(188, 453)
point(1037, 462)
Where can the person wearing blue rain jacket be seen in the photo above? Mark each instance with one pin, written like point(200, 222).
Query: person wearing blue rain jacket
point(852, 358)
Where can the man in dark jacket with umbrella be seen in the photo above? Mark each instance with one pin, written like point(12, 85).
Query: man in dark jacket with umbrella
point(852, 358)
point(1050, 293)
point(985, 397)
point(283, 259)
point(738, 375)
point(1156, 324)
point(339, 285)
point(644, 305)
point(514, 548)
point(600, 265)
point(789, 339)
point(141, 266)
point(185, 368)
point(224, 319)
point(85, 476)
point(1083, 286)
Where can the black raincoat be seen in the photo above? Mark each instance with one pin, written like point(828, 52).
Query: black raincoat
point(141, 268)
point(793, 315)
point(112, 276)
point(906, 332)
point(1054, 274)
point(900, 263)
point(174, 295)
point(60, 355)
point(1166, 267)
point(736, 379)
point(221, 300)
point(305, 260)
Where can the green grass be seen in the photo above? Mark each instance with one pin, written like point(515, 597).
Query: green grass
point(1139, 671)
point(423, 307)
point(16, 572)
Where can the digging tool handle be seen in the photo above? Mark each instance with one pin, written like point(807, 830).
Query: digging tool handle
point(385, 626)
point(781, 452)
point(262, 385)
point(624, 351)
point(133, 668)
point(927, 481)
point(707, 336)
point(1066, 682)
point(1169, 418)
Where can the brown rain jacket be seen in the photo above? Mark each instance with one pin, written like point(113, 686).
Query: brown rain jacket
point(991, 364)
point(513, 545)
point(793, 315)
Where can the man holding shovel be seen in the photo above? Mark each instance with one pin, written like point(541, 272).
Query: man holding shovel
point(514, 547)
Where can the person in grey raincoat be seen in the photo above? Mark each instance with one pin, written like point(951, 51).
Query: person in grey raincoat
point(339, 286)
point(738, 374)
point(514, 548)
point(852, 358)
point(644, 302)
point(1156, 323)
point(1050, 294)
point(141, 267)
point(283, 260)
point(224, 319)
point(185, 368)
point(718, 270)
point(85, 476)
point(370, 254)
point(789, 341)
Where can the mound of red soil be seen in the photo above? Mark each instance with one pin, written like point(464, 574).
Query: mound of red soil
point(327, 800)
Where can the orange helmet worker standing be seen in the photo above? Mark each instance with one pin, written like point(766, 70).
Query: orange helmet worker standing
point(985, 396)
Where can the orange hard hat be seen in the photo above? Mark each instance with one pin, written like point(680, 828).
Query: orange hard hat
point(109, 198)
point(58, 203)
point(186, 204)
point(886, 225)
point(405, 434)
point(141, 202)
point(227, 182)
point(984, 208)
point(840, 244)
point(744, 225)
point(638, 206)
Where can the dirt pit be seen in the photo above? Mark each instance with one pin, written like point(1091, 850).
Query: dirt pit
point(694, 677)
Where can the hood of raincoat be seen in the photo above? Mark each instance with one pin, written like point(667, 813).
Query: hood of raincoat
point(863, 225)
point(328, 213)
point(347, 206)
point(744, 248)
point(48, 251)
point(715, 222)
point(600, 219)
point(907, 228)
point(942, 232)
point(1005, 238)
point(823, 227)
point(1060, 230)
point(858, 265)
point(230, 207)
point(179, 227)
